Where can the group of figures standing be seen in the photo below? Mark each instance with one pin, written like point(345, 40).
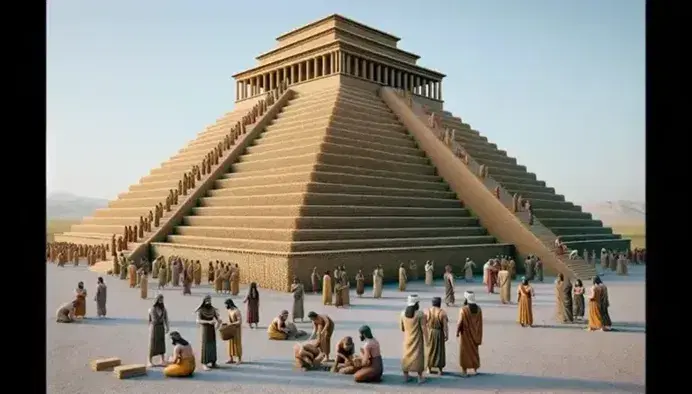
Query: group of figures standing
point(61, 253)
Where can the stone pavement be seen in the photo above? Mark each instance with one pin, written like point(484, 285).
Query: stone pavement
point(550, 358)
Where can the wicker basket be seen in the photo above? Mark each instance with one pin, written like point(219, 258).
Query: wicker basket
point(227, 332)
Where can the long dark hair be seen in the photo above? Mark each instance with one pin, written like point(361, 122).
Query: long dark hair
point(253, 292)
point(410, 311)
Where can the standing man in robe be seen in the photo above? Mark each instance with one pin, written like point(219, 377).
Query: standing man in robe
point(528, 268)
point(208, 319)
point(315, 280)
point(486, 271)
point(538, 267)
point(512, 269)
point(413, 325)
point(448, 279)
point(413, 267)
point(326, 289)
point(360, 283)
point(132, 274)
point(100, 298)
point(377, 277)
point(144, 285)
point(298, 299)
point(505, 283)
point(563, 292)
point(175, 271)
point(438, 334)
point(158, 328)
point(402, 277)
point(235, 280)
point(163, 275)
point(429, 273)
point(469, 265)
point(470, 334)
point(197, 273)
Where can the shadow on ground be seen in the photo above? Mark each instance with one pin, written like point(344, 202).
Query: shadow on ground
point(282, 372)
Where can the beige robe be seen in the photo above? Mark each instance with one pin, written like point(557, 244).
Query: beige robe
point(413, 359)
point(377, 283)
point(505, 283)
point(470, 330)
point(402, 279)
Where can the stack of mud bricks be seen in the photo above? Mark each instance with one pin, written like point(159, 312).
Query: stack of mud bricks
point(120, 371)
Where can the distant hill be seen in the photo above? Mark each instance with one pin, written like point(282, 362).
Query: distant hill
point(620, 212)
point(69, 206)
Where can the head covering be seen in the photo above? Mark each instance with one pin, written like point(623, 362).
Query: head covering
point(204, 301)
point(412, 300)
point(229, 303)
point(470, 297)
point(283, 312)
point(159, 297)
point(365, 331)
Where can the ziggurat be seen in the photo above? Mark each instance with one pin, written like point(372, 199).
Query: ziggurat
point(338, 165)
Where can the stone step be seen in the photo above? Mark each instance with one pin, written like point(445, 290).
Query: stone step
point(474, 140)
point(328, 177)
point(328, 221)
point(327, 210)
point(319, 167)
point(98, 228)
point(102, 236)
point(390, 126)
point(570, 222)
point(145, 202)
point(520, 174)
point(315, 187)
point(482, 148)
point(564, 231)
point(111, 220)
point(524, 188)
point(588, 237)
point(341, 98)
point(229, 118)
point(321, 131)
point(326, 123)
point(559, 213)
point(501, 165)
point(337, 244)
point(342, 147)
point(598, 244)
point(482, 156)
point(538, 203)
point(341, 101)
point(335, 159)
point(502, 178)
point(328, 198)
point(156, 182)
point(158, 193)
point(278, 148)
point(286, 235)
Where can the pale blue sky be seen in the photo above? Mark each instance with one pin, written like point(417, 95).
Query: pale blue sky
point(559, 84)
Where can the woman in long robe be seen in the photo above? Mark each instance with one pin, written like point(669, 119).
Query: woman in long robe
point(252, 300)
point(402, 277)
point(80, 296)
point(314, 280)
point(377, 283)
point(197, 273)
point(604, 304)
point(227, 280)
point(210, 273)
point(360, 283)
point(144, 286)
point(235, 344)
point(412, 324)
point(155, 268)
point(469, 265)
point(208, 320)
point(338, 293)
point(235, 280)
point(538, 267)
point(100, 298)
point(578, 300)
point(298, 310)
point(449, 286)
point(525, 302)
point(563, 299)
point(158, 328)
point(346, 288)
point(187, 282)
point(438, 332)
point(326, 289)
point(429, 273)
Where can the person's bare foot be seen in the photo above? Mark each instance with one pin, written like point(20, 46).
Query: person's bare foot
point(206, 368)
point(229, 361)
point(421, 379)
point(150, 365)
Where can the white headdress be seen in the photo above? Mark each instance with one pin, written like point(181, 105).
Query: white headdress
point(470, 297)
point(412, 300)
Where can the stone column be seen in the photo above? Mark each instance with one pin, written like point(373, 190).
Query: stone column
point(385, 72)
point(293, 73)
point(347, 60)
point(372, 72)
point(324, 65)
point(356, 64)
point(439, 90)
point(364, 69)
point(418, 86)
point(398, 79)
point(406, 81)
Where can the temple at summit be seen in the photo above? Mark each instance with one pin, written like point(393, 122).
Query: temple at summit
point(340, 164)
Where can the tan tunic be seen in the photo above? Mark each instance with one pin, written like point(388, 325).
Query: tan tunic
point(470, 330)
point(505, 282)
point(413, 359)
point(402, 279)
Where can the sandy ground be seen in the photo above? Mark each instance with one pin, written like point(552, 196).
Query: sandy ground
point(549, 358)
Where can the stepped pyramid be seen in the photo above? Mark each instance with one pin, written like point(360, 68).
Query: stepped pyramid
point(333, 170)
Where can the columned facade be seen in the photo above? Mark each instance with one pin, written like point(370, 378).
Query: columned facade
point(412, 79)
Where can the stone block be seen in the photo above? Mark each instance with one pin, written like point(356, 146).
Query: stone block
point(129, 371)
point(103, 364)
